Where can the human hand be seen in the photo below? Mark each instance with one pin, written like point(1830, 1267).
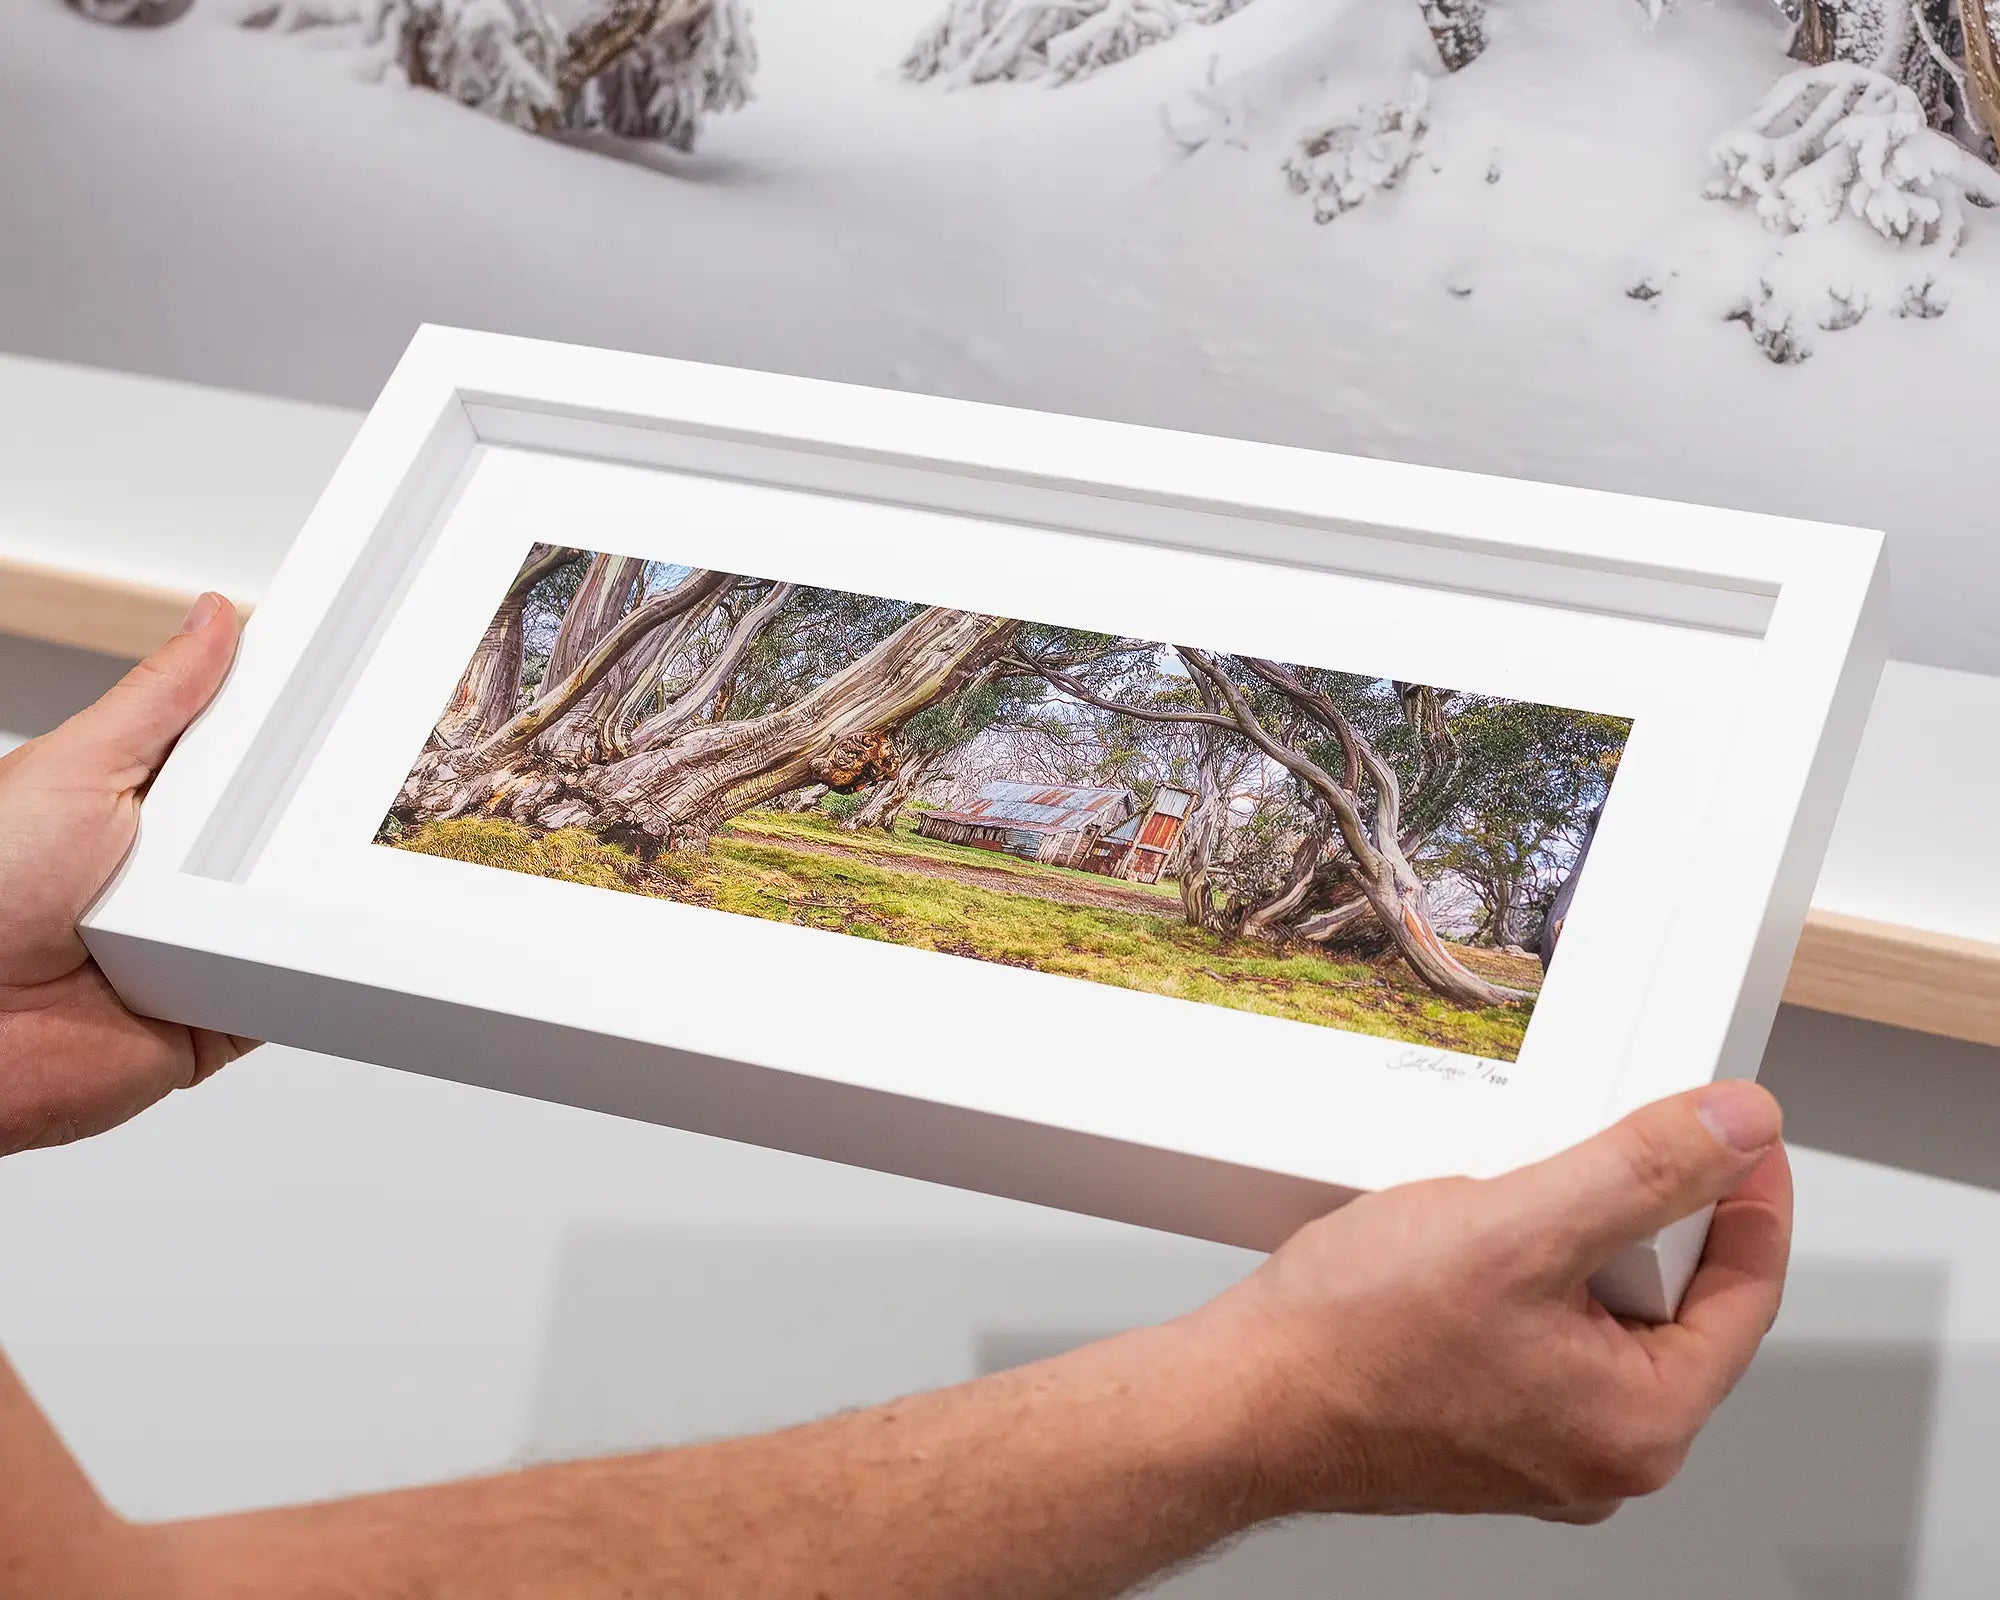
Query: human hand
point(1434, 1347)
point(73, 1060)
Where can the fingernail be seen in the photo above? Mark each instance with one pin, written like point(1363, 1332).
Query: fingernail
point(1740, 1115)
point(202, 612)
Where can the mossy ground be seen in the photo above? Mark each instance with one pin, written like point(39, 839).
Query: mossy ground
point(780, 868)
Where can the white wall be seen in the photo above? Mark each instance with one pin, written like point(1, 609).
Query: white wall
point(310, 1277)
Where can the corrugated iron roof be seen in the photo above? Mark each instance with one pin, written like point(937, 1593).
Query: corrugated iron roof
point(1171, 802)
point(1046, 808)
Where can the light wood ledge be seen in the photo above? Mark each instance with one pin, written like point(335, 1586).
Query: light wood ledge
point(113, 616)
point(1849, 966)
point(1907, 977)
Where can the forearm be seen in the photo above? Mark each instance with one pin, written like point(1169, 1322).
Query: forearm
point(57, 1538)
point(1078, 1476)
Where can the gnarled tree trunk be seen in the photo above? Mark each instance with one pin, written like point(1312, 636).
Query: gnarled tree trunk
point(680, 785)
point(1201, 833)
point(1375, 855)
point(484, 698)
point(1376, 861)
point(886, 801)
point(1979, 21)
point(1552, 927)
point(1886, 36)
point(1277, 913)
point(841, 734)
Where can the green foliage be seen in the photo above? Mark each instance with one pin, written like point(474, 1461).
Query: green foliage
point(819, 632)
point(839, 807)
point(1533, 774)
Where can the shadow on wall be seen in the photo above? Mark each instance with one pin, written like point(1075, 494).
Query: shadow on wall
point(1880, 1094)
point(1808, 1484)
point(41, 684)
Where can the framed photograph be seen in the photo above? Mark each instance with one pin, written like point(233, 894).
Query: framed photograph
point(1172, 828)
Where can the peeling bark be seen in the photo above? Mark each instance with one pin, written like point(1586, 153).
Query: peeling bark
point(610, 585)
point(1276, 913)
point(685, 777)
point(1377, 861)
point(1545, 946)
point(1981, 28)
point(484, 698)
point(886, 801)
point(689, 705)
point(840, 734)
point(1201, 833)
point(436, 785)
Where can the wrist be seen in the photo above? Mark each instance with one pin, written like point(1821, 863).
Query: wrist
point(1291, 1425)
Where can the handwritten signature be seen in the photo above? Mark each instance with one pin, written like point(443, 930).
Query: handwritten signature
point(1442, 1065)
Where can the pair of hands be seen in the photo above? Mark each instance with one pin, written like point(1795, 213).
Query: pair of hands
point(1428, 1348)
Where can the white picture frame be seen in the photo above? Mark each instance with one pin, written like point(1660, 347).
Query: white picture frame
point(255, 902)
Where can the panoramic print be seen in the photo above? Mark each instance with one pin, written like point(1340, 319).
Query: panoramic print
point(1310, 843)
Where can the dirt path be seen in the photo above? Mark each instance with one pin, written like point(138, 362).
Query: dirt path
point(1110, 897)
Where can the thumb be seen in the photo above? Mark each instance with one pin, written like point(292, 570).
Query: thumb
point(125, 736)
point(1664, 1162)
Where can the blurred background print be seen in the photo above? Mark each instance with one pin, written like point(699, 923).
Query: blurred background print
point(1731, 251)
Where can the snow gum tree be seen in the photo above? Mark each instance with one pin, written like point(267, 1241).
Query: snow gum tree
point(635, 69)
point(128, 13)
point(1888, 122)
point(629, 729)
point(981, 41)
point(1367, 815)
point(1458, 29)
point(1058, 41)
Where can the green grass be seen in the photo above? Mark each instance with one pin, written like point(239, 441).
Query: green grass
point(752, 871)
point(572, 854)
point(907, 843)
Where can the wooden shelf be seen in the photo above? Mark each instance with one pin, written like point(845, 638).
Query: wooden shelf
point(219, 482)
point(1906, 977)
point(114, 616)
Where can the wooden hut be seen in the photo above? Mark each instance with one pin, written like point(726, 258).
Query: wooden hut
point(1138, 848)
point(1056, 823)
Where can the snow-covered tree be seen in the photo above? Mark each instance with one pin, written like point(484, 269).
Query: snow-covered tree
point(292, 16)
point(1058, 41)
point(1889, 124)
point(1458, 29)
point(980, 41)
point(1897, 38)
point(497, 56)
point(638, 69)
point(1341, 163)
point(662, 87)
point(129, 13)
point(1841, 139)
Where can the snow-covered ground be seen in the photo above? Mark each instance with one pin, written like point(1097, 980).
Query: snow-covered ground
point(239, 208)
